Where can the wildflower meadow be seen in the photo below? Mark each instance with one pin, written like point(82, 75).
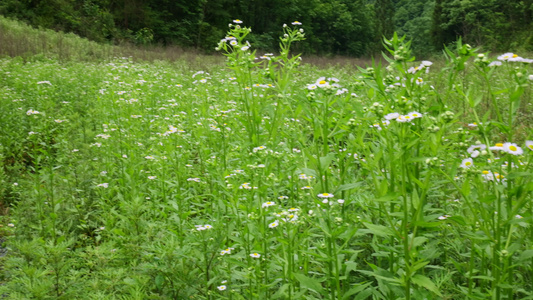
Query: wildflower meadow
point(265, 178)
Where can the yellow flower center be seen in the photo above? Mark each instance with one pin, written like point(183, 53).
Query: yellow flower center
point(499, 145)
point(468, 163)
point(512, 148)
point(322, 82)
point(485, 172)
point(530, 146)
point(515, 55)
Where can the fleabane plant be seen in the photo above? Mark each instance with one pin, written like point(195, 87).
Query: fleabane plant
point(266, 72)
point(236, 48)
point(264, 179)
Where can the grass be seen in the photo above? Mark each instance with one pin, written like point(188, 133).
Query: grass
point(267, 179)
point(18, 39)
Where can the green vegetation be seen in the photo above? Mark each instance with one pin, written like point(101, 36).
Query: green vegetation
point(265, 179)
point(333, 27)
point(20, 40)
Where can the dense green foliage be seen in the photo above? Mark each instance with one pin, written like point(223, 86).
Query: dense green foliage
point(265, 179)
point(498, 24)
point(345, 27)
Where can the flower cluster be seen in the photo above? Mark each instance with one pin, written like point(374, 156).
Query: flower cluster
point(203, 227)
point(324, 83)
point(425, 64)
point(511, 57)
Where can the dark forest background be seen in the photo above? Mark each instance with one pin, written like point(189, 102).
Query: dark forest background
point(332, 27)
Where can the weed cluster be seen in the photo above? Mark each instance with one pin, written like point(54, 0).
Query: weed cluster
point(268, 180)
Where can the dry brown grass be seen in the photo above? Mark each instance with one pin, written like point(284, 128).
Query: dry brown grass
point(337, 61)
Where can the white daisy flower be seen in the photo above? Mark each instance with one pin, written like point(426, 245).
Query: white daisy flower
point(498, 146)
point(226, 251)
point(467, 163)
point(473, 148)
point(392, 116)
point(322, 82)
point(529, 145)
point(507, 56)
point(268, 204)
point(403, 119)
point(512, 148)
point(415, 115)
point(325, 195)
point(273, 224)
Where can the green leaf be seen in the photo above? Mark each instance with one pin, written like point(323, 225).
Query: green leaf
point(415, 199)
point(354, 290)
point(379, 230)
point(425, 282)
point(460, 220)
point(309, 283)
point(466, 188)
point(526, 255)
point(325, 161)
point(336, 133)
point(419, 264)
point(159, 279)
point(489, 278)
point(364, 294)
point(350, 266)
point(500, 92)
point(281, 292)
point(306, 171)
point(348, 186)
point(322, 224)
point(387, 198)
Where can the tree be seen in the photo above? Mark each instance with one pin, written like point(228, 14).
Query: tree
point(384, 11)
